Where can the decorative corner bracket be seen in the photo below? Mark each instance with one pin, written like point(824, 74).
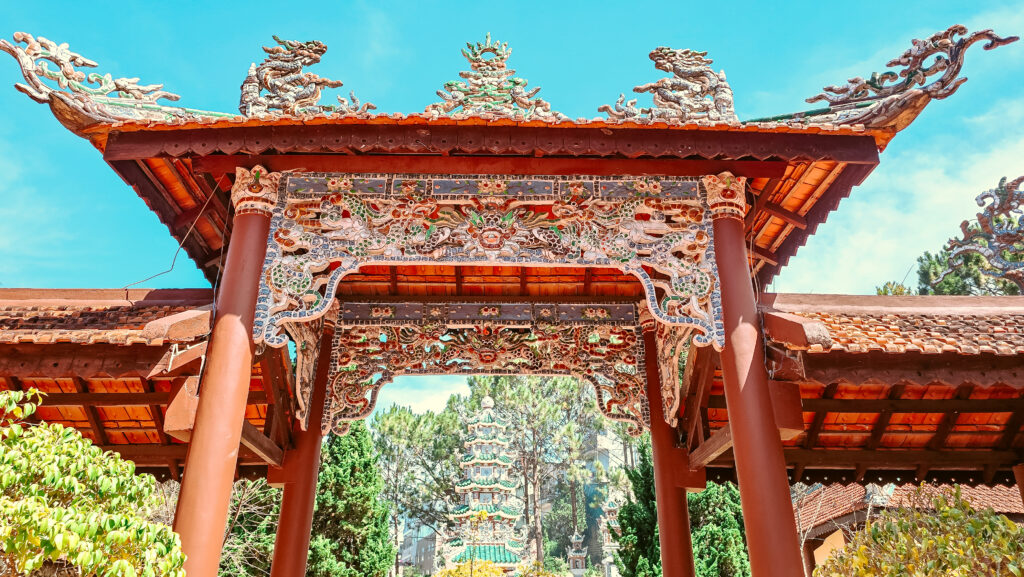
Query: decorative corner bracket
point(997, 235)
point(694, 91)
point(894, 98)
point(726, 195)
point(254, 191)
point(490, 89)
point(279, 85)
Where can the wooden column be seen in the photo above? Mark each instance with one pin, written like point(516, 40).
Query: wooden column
point(760, 464)
point(300, 471)
point(202, 510)
point(672, 476)
point(1018, 473)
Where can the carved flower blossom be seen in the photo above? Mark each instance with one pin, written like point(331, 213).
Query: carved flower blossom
point(382, 312)
point(577, 187)
point(492, 186)
point(490, 311)
point(595, 313)
point(334, 184)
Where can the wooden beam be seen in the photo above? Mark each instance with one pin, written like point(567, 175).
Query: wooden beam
point(765, 255)
point(510, 165)
point(878, 430)
point(786, 215)
point(588, 280)
point(158, 416)
point(825, 405)
point(819, 418)
point(393, 277)
point(63, 360)
point(124, 399)
point(698, 375)
point(458, 280)
point(258, 443)
point(938, 440)
point(719, 442)
point(908, 459)
point(1011, 430)
point(91, 412)
point(522, 280)
point(158, 455)
point(276, 368)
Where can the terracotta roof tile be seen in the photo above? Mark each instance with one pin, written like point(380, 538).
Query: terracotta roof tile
point(44, 316)
point(834, 501)
point(898, 324)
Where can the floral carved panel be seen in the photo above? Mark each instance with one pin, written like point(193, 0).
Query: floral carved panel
point(326, 226)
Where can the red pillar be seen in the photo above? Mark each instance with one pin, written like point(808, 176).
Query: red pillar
point(202, 510)
point(301, 468)
point(760, 463)
point(1018, 473)
point(671, 473)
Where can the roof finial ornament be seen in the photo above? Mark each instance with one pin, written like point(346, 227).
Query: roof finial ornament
point(998, 236)
point(110, 100)
point(288, 89)
point(894, 98)
point(490, 90)
point(694, 92)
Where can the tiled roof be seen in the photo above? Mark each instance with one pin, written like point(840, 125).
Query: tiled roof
point(151, 317)
point(896, 324)
point(834, 501)
point(498, 554)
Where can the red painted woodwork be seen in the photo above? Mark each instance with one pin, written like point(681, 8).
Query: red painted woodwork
point(213, 451)
point(760, 463)
point(1018, 474)
point(672, 476)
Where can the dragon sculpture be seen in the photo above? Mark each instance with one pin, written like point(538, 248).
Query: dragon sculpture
point(894, 98)
point(80, 99)
point(490, 89)
point(998, 235)
point(287, 88)
point(693, 92)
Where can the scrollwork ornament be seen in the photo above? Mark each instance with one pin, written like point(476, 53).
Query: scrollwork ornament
point(929, 69)
point(726, 195)
point(254, 191)
point(997, 235)
point(693, 92)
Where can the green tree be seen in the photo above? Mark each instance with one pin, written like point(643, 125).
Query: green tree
point(251, 530)
point(939, 533)
point(639, 553)
point(65, 505)
point(967, 279)
point(893, 288)
point(716, 526)
point(350, 523)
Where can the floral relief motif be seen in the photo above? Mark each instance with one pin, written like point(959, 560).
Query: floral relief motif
point(325, 231)
point(368, 356)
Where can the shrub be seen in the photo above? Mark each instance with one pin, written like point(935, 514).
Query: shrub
point(939, 533)
point(66, 504)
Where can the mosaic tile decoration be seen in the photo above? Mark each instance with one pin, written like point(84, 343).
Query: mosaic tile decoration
point(326, 226)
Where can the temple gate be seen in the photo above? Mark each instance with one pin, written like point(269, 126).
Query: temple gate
point(334, 219)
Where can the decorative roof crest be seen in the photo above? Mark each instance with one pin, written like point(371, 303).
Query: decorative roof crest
point(97, 97)
point(490, 90)
point(287, 88)
point(694, 92)
point(894, 98)
point(998, 235)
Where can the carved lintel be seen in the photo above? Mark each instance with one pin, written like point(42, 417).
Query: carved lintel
point(329, 225)
point(254, 191)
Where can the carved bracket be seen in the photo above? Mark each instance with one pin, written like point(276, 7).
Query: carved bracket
point(326, 226)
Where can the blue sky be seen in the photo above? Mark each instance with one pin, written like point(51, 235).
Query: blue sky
point(67, 221)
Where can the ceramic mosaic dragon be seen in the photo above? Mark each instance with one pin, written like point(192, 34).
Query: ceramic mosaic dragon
point(998, 234)
point(693, 92)
point(280, 84)
point(368, 357)
point(317, 239)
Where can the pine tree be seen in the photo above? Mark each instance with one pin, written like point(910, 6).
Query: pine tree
point(716, 524)
point(350, 523)
point(640, 553)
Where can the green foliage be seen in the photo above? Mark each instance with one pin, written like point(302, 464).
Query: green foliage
point(639, 554)
point(555, 566)
point(536, 569)
point(716, 526)
point(350, 523)
point(893, 288)
point(251, 530)
point(65, 503)
point(940, 533)
point(474, 569)
point(966, 279)
point(558, 522)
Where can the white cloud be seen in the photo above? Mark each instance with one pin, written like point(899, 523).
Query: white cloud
point(421, 393)
point(913, 202)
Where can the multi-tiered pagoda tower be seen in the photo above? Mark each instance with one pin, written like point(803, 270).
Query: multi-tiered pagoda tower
point(490, 511)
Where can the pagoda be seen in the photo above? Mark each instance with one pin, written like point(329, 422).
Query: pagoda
point(609, 523)
point(577, 554)
point(490, 510)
